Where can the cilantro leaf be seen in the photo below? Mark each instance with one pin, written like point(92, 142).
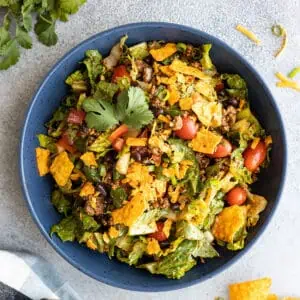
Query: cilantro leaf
point(23, 38)
point(132, 108)
point(26, 14)
point(45, 30)
point(9, 51)
point(100, 114)
point(63, 8)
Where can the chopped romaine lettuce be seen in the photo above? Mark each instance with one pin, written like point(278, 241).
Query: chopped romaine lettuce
point(118, 196)
point(47, 142)
point(136, 253)
point(101, 145)
point(66, 229)
point(61, 203)
point(188, 230)
point(139, 51)
point(93, 65)
point(88, 222)
point(237, 168)
point(105, 91)
point(205, 60)
point(77, 81)
point(237, 86)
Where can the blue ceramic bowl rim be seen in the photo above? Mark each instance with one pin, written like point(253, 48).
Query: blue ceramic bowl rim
point(35, 99)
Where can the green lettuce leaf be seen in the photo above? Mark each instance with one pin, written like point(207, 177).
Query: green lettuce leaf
point(237, 168)
point(94, 66)
point(139, 51)
point(60, 202)
point(88, 222)
point(66, 229)
point(215, 207)
point(77, 81)
point(105, 91)
point(135, 254)
point(237, 86)
point(206, 60)
point(118, 196)
point(188, 230)
point(47, 142)
point(101, 145)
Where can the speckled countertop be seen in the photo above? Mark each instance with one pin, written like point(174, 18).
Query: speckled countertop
point(277, 252)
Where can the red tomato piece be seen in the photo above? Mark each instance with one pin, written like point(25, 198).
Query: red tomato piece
point(253, 158)
point(120, 131)
point(119, 71)
point(219, 86)
point(222, 150)
point(64, 143)
point(188, 130)
point(236, 196)
point(118, 144)
point(76, 116)
point(159, 235)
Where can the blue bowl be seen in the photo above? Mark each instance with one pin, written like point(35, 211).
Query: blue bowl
point(37, 189)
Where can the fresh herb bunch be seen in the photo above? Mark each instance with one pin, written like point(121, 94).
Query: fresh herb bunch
point(18, 23)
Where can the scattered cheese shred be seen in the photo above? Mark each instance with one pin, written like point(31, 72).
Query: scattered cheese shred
point(268, 140)
point(164, 52)
point(113, 232)
point(167, 227)
point(249, 34)
point(42, 160)
point(208, 113)
point(279, 31)
point(135, 142)
point(181, 67)
point(294, 72)
point(286, 82)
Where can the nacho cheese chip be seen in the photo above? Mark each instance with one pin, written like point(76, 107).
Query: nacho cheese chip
point(174, 94)
point(208, 113)
point(61, 168)
point(163, 52)
point(87, 189)
point(136, 141)
point(153, 246)
point(205, 141)
point(250, 290)
point(229, 222)
point(186, 103)
point(42, 160)
point(129, 213)
point(167, 70)
point(89, 159)
point(181, 67)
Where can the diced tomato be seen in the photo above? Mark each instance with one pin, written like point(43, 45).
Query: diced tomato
point(76, 116)
point(219, 86)
point(236, 196)
point(64, 143)
point(253, 158)
point(119, 71)
point(188, 130)
point(159, 235)
point(121, 130)
point(222, 150)
point(118, 144)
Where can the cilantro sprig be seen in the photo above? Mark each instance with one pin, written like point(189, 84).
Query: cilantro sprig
point(130, 108)
point(18, 23)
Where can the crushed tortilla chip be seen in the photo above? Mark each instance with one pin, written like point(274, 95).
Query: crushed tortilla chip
point(208, 113)
point(129, 213)
point(42, 160)
point(89, 159)
point(155, 67)
point(87, 189)
point(166, 80)
point(77, 174)
point(250, 290)
point(174, 193)
point(174, 94)
point(136, 141)
point(138, 175)
point(152, 246)
point(181, 67)
point(249, 34)
point(255, 143)
point(160, 187)
point(167, 227)
point(229, 222)
point(207, 90)
point(189, 214)
point(183, 167)
point(205, 141)
point(186, 103)
point(256, 204)
point(164, 52)
point(113, 232)
point(61, 168)
point(167, 71)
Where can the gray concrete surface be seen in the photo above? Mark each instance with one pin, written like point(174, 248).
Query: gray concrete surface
point(277, 252)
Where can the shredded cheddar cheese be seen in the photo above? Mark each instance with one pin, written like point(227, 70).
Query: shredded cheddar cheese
point(249, 34)
point(286, 82)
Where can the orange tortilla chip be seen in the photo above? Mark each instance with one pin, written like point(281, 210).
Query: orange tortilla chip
point(136, 142)
point(186, 103)
point(61, 168)
point(229, 222)
point(174, 94)
point(129, 213)
point(87, 189)
point(250, 290)
point(164, 52)
point(42, 160)
point(167, 71)
point(152, 246)
point(89, 159)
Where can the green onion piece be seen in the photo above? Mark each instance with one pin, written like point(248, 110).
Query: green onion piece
point(151, 168)
point(163, 95)
point(102, 170)
point(294, 72)
point(277, 30)
point(173, 180)
point(181, 47)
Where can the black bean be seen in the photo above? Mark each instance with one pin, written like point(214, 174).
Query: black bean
point(175, 206)
point(234, 102)
point(164, 244)
point(101, 188)
point(136, 156)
